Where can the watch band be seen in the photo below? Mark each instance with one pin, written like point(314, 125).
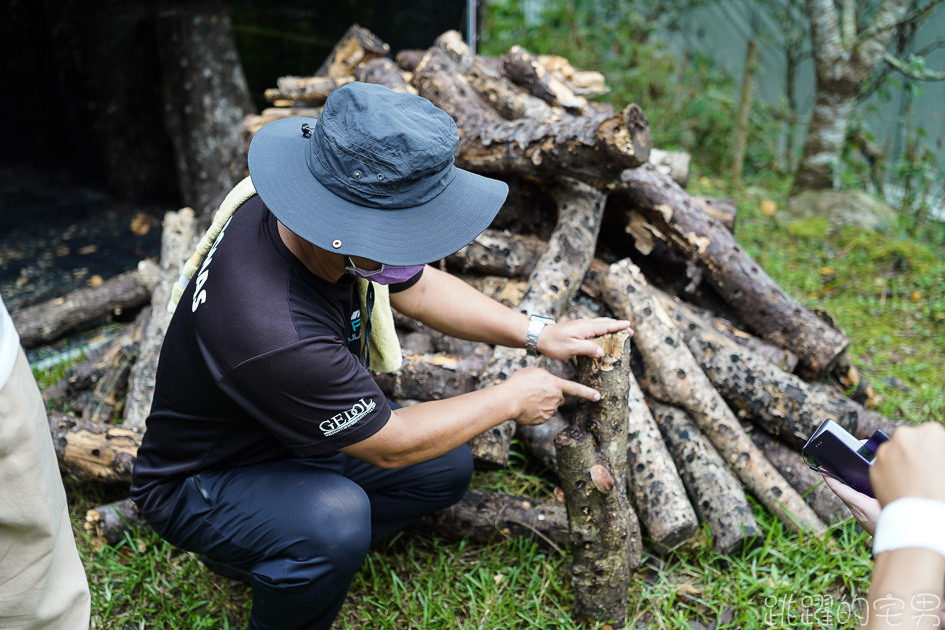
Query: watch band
point(535, 325)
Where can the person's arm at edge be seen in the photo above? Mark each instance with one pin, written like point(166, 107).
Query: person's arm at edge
point(427, 430)
point(908, 465)
point(451, 306)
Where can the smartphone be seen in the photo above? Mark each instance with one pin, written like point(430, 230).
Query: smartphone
point(837, 453)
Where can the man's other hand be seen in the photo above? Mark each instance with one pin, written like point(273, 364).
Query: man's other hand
point(538, 394)
point(574, 338)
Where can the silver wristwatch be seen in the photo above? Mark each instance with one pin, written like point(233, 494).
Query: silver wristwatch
point(535, 325)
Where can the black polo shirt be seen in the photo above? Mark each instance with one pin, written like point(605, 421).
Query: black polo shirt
point(259, 363)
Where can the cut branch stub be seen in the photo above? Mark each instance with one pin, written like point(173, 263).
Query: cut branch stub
point(759, 301)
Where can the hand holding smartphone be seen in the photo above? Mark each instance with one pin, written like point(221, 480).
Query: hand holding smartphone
point(840, 455)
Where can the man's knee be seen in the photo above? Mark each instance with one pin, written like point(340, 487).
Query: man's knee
point(456, 474)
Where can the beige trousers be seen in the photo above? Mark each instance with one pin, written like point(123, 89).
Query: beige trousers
point(42, 581)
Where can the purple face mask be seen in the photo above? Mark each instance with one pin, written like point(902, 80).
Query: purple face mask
point(387, 274)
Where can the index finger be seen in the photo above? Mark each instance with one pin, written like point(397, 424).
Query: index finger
point(580, 391)
point(603, 325)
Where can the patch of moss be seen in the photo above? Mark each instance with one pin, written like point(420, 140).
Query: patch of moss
point(913, 255)
point(817, 227)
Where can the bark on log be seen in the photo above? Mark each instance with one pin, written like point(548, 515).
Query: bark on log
point(483, 515)
point(431, 377)
point(408, 60)
point(604, 532)
point(205, 100)
point(177, 244)
point(107, 401)
point(357, 45)
point(305, 90)
point(725, 211)
point(592, 468)
point(673, 163)
point(499, 254)
point(593, 148)
point(673, 376)
point(779, 357)
point(51, 320)
point(385, 72)
point(760, 302)
point(810, 484)
point(108, 523)
point(524, 69)
point(777, 401)
point(494, 88)
point(553, 282)
point(581, 82)
point(93, 451)
point(716, 494)
point(654, 482)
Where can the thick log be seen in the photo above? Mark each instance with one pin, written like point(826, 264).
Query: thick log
point(674, 376)
point(305, 90)
point(604, 532)
point(759, 301)
point(499, 254)
point(716, 494)
point(484, 515)
point(431, 377)
point(93, 451)
point(205, 100)
point(553, 282)
point(46, 322)
point(673, 163)
point(357, 45)
point(810, 484)
point(594, 148)
point(385, 72)
point(494, 88)
point(657, 490)
point(779, 402)
point(177, 244)
point(107, 524)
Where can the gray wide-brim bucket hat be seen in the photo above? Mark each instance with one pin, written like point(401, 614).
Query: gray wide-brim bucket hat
point(373, 176)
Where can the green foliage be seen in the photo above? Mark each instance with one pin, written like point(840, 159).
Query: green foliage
point(690, 102)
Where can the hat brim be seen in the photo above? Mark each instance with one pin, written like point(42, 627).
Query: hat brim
point(405, 236)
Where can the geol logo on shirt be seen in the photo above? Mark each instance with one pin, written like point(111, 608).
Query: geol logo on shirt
point(345, 419)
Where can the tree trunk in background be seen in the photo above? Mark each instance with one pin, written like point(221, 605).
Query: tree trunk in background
point(843, 63)
point(205, 101)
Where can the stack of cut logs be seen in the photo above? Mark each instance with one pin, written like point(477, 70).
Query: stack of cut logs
point(723, 379)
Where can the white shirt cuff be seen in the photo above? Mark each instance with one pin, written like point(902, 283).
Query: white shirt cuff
point(911, 522)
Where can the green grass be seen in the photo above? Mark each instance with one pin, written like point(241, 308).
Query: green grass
point(887, 292)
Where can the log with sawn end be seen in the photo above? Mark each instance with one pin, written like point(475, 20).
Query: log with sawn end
point(759, 301)
point(46, 322)
point(779, 402)
point(94, 451)
point(593, 148)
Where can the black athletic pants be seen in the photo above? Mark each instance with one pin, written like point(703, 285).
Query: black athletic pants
point(303, 526)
